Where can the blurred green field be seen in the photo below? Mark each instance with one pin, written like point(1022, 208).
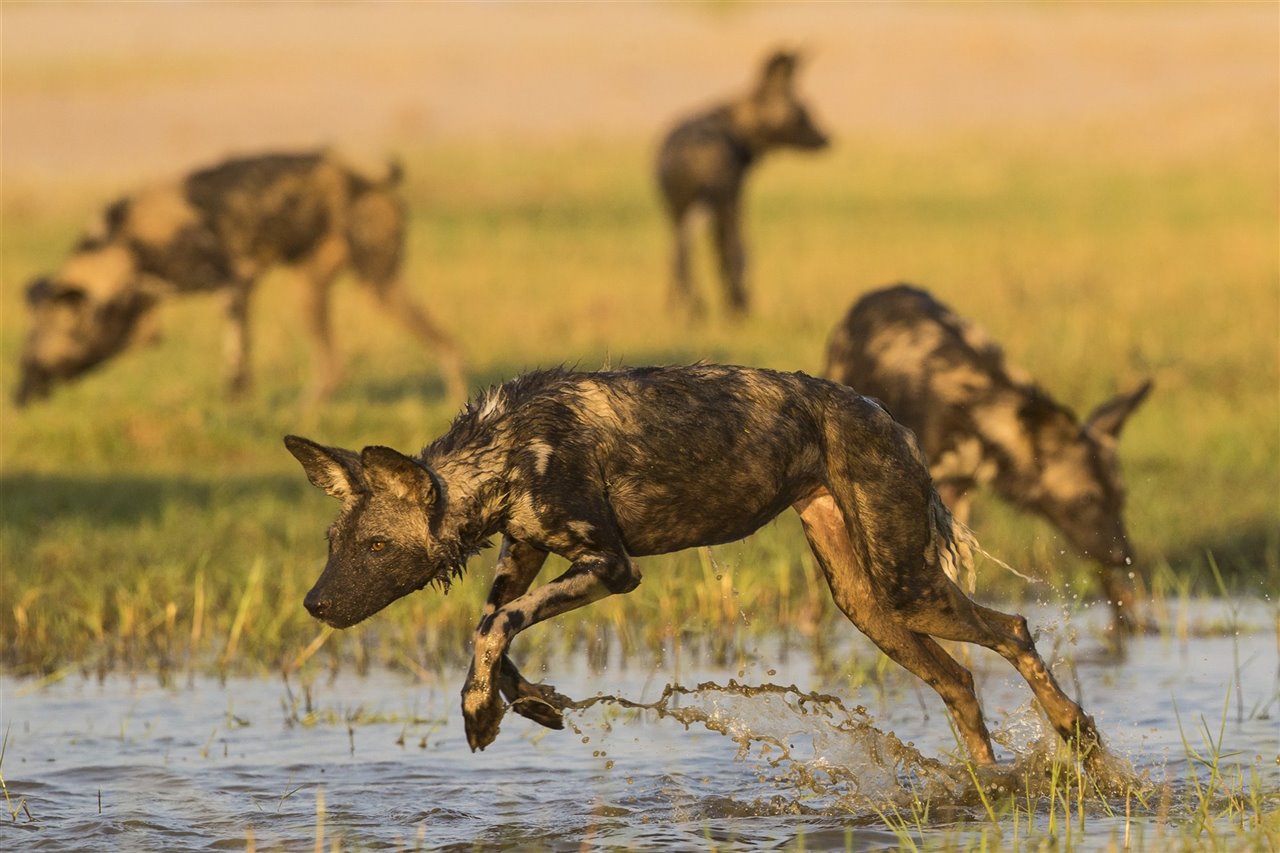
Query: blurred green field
point(146, 522)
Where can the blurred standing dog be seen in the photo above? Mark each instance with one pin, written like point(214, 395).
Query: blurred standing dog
point(704, 160)
point(219, 229)
point(982, 422)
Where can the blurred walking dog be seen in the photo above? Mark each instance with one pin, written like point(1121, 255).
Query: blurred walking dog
point(219, 229)
point(604, 467)
point(982, 422)
point(704, 160)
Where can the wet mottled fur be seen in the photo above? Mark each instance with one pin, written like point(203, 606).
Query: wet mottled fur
point(982, 422)
point(219, 229)
point(604, 467)
point(704, 160)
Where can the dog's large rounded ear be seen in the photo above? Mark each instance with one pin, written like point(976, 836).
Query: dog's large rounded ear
point(402, 476)
point(1108, 419)
point(778, 72)
point(44, 289)
point(333, 469)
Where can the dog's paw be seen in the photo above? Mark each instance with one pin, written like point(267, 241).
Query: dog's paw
point(538, 702)
point(482, 713)
point(542, 704)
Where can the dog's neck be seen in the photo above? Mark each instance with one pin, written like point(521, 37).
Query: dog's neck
point(475, 499)
point(471, 463)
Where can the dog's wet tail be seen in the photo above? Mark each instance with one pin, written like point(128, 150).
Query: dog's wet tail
point(957, 546)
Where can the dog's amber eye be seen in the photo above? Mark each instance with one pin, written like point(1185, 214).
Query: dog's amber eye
point(377, 545)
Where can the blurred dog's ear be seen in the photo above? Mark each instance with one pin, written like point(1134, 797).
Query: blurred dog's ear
point(44, 289)
point(779, 71)
point(1109, 418)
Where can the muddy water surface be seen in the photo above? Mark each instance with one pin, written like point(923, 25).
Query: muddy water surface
point(380, 761)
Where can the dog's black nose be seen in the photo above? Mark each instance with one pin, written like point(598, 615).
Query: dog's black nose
point(316, 604)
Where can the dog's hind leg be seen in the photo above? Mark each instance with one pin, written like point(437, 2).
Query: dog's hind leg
point(826, 529)
point(395, 297)
point(518, 564)
point(320, 271)
point(958, 618)
point(375, 237)
point(897, 522)
point(727, 219)
point(236, 343)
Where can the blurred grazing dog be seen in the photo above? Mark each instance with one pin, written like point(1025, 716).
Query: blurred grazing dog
point(704, 159)
point(982, 422)
point(220, 229)
point(603, 467)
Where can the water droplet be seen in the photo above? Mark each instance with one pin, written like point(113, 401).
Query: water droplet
point(1128, 561)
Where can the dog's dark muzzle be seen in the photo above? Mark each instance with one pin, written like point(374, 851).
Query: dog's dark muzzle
point(322, 607)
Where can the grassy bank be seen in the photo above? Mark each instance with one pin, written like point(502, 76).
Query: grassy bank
point(146, 521)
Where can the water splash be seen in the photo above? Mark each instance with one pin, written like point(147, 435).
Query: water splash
point(832, 758)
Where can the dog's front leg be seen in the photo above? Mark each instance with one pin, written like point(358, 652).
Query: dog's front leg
point(590, 578)
point(236, 342)
point(518, 564)
point(683, 298)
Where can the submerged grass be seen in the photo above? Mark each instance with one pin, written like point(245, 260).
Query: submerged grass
point(147, 522)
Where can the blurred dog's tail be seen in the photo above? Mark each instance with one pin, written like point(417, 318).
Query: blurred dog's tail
point(368, 172)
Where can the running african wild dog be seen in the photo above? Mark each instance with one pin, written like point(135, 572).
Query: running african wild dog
point(601, 468)
point(219, 229)
point(704, 159)
point(981, 421)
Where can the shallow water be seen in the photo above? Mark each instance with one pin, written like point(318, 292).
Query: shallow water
point(381, 762)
